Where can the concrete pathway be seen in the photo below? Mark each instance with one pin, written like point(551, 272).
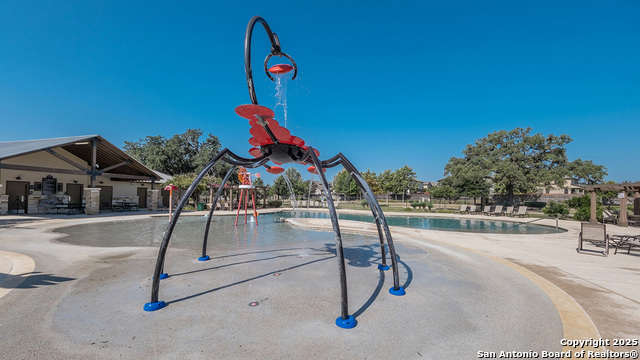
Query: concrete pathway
point(466, 293)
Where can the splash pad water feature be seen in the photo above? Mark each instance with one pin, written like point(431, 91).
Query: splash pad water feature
point(274, 143)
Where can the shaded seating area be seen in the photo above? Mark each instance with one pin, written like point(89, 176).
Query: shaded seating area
point(622, 189)
point(594, 233)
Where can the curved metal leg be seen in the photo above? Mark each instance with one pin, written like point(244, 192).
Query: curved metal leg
point(155, 304)
point(383, 252)
point(396, 289)
point(345, 320)
point(204, 256)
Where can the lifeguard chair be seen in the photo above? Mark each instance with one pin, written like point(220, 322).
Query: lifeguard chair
point(246, 187)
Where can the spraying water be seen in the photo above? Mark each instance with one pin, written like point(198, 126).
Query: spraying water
point(281, 98)
point(294, 203)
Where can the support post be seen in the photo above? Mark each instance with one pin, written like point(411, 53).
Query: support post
point(593, 218)
point(344, 320)
point(94, 155)
point(204, 256)
point(623, 211)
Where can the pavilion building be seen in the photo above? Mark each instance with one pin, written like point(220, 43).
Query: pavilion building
point(79, 172)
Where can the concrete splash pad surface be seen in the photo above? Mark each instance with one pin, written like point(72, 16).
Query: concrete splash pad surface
point(457, 303)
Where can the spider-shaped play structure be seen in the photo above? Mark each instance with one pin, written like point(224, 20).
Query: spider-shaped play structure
point(274, 143)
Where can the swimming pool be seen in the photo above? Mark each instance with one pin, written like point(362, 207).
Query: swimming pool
point(189, 232)
point(441, 223)
point(270, 231)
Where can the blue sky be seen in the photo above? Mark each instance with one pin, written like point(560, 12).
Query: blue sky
point(385, 83)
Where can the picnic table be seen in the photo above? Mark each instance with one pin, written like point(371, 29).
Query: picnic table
point(124, 206)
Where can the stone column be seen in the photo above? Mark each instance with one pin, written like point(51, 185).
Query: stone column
point(153, 197)
point(92, 201)
point(594, 218)
point(636, 202)
point(623, 211)
point(4, 204)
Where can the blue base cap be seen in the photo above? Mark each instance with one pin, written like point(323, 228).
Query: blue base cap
point(383, 267)
point(153, 306)
point(397, 292)
point(164, 276)
point(204, 258)
point(348, 323)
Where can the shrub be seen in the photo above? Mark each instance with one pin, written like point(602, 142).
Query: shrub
point(535, 204)
point(584, 213)
point(274, 203)
point(579, 201)
point(556, 209)
point(429, 204)
point(415, 204)
point(364, 203)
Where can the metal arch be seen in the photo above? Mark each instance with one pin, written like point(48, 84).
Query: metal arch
point(275, 50)
point(378, 214)
point(338, 238)
point(215, 200)
point(213, 207)
point(174, 219)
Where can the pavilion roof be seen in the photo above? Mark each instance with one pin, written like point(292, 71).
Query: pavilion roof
point(614, 187)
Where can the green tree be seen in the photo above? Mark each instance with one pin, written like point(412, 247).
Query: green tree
point(444, 191)
point(404, 179)
point(180, 154)
point(469, 182)
point(373, 181)
point(183, 181)
point(281, 188)
point(515, 161)
point(386, 183)
point(587, 171)
point(343, 183)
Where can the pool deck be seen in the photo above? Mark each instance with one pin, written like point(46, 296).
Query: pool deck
point(596, 296)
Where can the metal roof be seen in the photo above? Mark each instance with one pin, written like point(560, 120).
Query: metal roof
point(11, 149)
point(107, 154)
point(614, 187)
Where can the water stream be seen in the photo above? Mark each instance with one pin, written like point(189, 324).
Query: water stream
point(281, 99)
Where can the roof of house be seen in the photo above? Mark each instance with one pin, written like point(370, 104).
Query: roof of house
point(108, 156)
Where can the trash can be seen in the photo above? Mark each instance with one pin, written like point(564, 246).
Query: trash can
point(200, 206)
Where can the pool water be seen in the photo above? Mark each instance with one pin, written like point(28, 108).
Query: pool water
point(271, 230)
point(189, 233)
point(440, 223)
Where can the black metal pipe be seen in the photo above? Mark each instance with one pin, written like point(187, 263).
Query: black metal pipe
point(338, 238)
point(275, 49)
point(376, 218)
point(213, 207)
point(172, 224)
point(394, 263)
point(331, 160)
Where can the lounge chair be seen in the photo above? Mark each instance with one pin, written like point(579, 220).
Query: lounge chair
point(463, 208)
point(509, 211)
point(486, 210)
point(472, 209)
point(496, 211)
point(522, 211)
point(594, 233)
point(608, 215)
point(630, 241)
